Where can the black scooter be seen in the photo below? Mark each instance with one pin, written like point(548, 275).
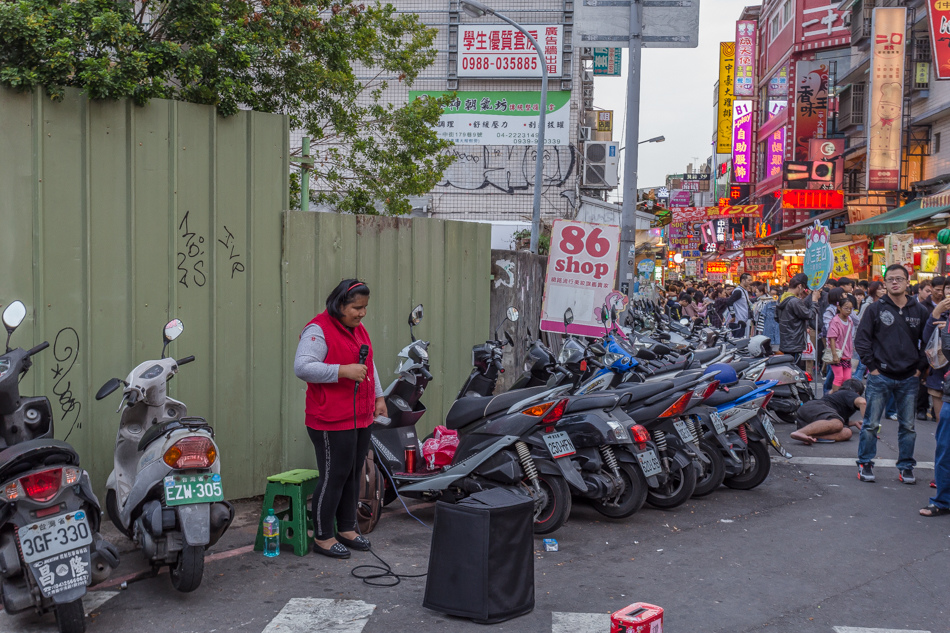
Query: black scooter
point(50, 547)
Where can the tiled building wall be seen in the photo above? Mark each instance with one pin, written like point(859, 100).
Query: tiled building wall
point(495, 182)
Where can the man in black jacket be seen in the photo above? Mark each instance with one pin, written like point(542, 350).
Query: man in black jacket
point(889, 343)
point(796, 312)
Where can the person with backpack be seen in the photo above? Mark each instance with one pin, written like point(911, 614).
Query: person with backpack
point(796, 312)
point(740, 307)
point(889, 341)
point(343, 398)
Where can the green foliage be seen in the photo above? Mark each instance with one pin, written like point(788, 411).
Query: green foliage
point(297, 57)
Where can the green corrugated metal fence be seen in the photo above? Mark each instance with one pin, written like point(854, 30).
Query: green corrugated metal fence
point(444, 265)
point(115, 218)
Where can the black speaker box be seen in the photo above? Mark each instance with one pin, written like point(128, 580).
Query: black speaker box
point(481, 563)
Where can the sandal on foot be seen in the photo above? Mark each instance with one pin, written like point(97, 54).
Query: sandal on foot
point(934, 511)
point(360, 543)
point(337, 550)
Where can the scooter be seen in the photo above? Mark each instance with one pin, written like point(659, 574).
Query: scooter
point(50, 547)
point(165, 491)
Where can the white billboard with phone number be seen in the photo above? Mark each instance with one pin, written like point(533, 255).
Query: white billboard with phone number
point(582, 270)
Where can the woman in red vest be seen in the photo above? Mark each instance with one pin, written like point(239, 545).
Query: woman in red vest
point(342, 400)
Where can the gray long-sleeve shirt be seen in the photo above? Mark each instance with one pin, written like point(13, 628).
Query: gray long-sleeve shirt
point(312, 351)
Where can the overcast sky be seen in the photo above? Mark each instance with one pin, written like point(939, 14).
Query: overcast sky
point(676, 95)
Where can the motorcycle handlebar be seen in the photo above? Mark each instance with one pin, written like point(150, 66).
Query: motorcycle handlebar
point(426, 374)
point(39, 348)
point(185, 360)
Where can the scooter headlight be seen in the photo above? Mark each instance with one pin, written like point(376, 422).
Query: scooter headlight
point(612, 357)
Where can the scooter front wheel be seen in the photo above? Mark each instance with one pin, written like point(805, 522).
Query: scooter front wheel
point(186, 574)
point(555, 506)
point(70, 617)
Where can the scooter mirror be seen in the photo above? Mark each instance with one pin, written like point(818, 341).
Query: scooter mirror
point(604, 315)
point(684, 321)
point(512, 314)
point(415, 318)
point(13, 315)
point(568, 317)
point(173, 330)
point(509, 339)
point(111, 385)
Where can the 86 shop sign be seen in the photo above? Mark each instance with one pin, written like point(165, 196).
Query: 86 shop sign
point(582, 266)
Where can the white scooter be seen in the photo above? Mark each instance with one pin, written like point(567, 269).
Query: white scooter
point(165, 490)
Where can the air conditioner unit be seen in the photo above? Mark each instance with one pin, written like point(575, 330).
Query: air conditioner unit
point(601, 165)
point(584, 134)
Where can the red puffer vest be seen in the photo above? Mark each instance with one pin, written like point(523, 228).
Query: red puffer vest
point(330, 405)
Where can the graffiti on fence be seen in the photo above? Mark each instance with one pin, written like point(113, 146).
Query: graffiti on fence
point(507, 169)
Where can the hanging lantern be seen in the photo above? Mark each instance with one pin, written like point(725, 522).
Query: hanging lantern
point(943, 236)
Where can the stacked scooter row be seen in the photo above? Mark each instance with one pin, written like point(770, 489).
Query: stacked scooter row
point(612, 422)
point(165, 492)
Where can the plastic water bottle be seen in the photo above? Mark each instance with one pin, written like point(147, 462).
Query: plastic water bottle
point(271, 534)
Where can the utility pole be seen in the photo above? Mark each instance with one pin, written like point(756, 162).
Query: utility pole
point(626, 271)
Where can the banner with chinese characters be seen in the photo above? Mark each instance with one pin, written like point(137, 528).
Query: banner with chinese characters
point(760, 259)
point(811, 104)
point(886, 98)
point(501, 51)
point(735, 212)
point(778, 84)
point(775, 146)
point(607, 62)
point(741, 141)
point(929, 260)
point(899, 249)
point(727, 60)
point(745, 59)
point(850, 259)
point(717, 267)
point(939, 11)
point(502, 117)
point(819, 257)
point(689, 214)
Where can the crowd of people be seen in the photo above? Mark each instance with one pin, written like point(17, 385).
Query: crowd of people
point(875, 342)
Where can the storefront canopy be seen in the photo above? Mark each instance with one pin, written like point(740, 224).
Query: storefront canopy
point(895, 220)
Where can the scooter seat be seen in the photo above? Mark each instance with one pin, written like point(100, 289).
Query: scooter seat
point(32, 454)
point(741, 343)
point(467, 410)
point(156, 431)
point(740, 365)
point(591, 401)
point(781, 359)
point(721, 396)
point(642, 391)
point(705, 355)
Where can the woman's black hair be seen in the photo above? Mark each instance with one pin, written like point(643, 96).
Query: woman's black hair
point(346, 292)
point(855, 385)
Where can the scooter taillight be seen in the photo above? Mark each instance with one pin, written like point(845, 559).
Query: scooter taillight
point(555, 413)
point(640, 436)
point(808, 376)
point(42, 486)
point(711, 389)
point(768, 397)
point(191, 452)
point(679, 406)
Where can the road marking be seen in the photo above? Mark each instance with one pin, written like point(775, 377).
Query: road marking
point(843, 461)
point(580, 622)
point(855, 629)
point(29, 622)
point(305, 615)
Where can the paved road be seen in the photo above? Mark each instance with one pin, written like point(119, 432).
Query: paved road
point(812, 550)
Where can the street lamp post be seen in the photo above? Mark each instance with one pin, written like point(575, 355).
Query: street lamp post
point(477, 10)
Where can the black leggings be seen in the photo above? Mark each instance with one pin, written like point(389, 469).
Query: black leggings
point(337, 489)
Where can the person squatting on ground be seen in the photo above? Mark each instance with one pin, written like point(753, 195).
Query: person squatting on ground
point(828, 419)
point(889, 343)
point(327, 360)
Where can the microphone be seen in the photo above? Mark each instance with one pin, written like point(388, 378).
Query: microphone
point(364, 352)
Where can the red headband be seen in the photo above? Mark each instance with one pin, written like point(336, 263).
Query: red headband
point(358, 283)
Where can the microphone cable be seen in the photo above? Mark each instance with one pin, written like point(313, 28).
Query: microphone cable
point(381, 575)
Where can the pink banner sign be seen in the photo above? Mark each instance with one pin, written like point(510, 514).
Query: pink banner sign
point(745, 59)
point(775, 148)
point(689, 214)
